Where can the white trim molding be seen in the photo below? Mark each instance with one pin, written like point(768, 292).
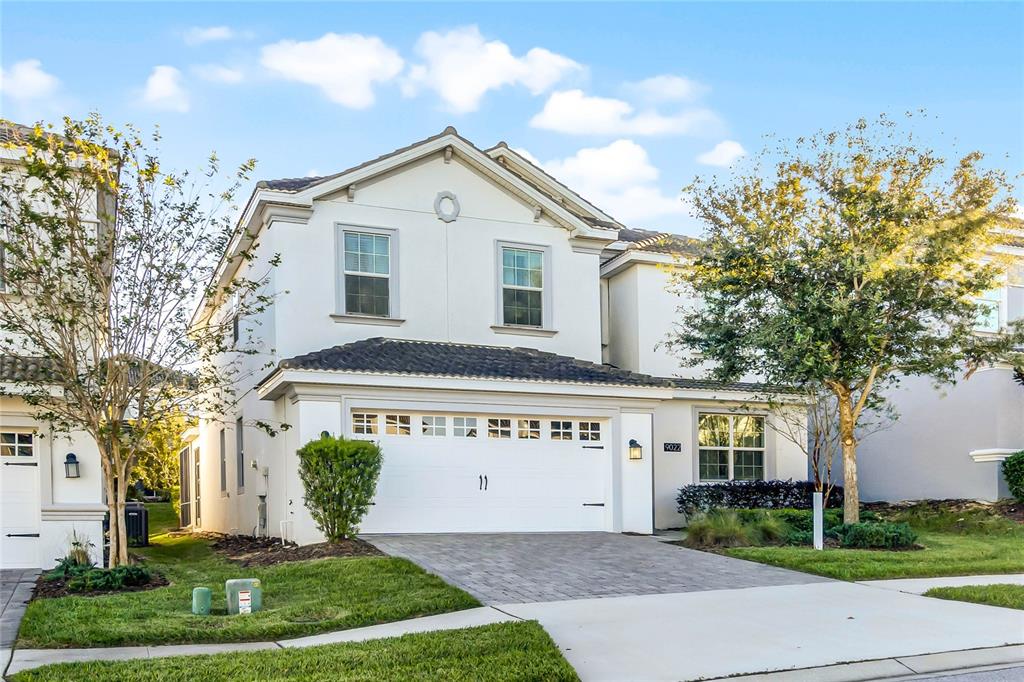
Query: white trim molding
point(993, 454)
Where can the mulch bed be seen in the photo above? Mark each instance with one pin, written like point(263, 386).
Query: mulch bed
point(1010, 509)
point(49, 589)
point(249, 551)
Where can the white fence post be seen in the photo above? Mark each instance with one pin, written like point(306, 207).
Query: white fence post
point(819, 521)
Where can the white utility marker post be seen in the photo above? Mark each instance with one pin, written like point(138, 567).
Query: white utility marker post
point(819, 521)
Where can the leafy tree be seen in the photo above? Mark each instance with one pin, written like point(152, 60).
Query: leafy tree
point(848, 260)
point(106, 256)
point(340, 478)
point(156, 466)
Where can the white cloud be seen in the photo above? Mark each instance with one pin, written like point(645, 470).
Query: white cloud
point(618, 178)
point(217, 73)
point(26, 80)
point(575, 113)
point(462, 67)
point(164, 90)
point(723, 153)
point(667, 88)
point(345, 67)
point(197, 35)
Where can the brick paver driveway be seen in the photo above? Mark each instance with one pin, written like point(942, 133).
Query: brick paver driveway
point(534, 567)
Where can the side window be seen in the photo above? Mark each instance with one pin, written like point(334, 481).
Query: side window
point(240, 455)
point(990, 306)
point(223, 462)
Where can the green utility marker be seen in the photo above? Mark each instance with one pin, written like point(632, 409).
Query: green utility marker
point(202, 597)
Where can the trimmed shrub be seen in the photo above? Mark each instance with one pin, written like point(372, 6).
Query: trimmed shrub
point(340, 478)
point(717, 528)
point(1013, 472)
point(769, 531)
point(877, 536)
point(702, 497)
point(104, 579)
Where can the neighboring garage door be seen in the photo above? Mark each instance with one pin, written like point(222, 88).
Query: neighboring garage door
point(481, 473)
point(19, 500)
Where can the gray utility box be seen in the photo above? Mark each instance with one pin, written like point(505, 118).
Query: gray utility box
point(245, 595)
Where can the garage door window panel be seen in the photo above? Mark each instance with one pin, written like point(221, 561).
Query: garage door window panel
point(398, 425)
point(529, 429)
point(464, 427)
point(434, 426)
point(499, 428)
point(590, 431)
point(17, 444)
point(561, 430)
point(364, 424)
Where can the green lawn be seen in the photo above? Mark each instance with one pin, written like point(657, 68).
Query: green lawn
point(162, 518)
point(1009, 596)
point(506, 651)
point(974, 541)
point(299, 598)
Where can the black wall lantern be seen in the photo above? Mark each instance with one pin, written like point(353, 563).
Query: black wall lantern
point(635, 450)
point(71, 466)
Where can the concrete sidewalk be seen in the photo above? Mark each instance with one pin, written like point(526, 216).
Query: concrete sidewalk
point(922, 585)
point(16, 587)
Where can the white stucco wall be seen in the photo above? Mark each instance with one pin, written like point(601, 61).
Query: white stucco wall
point(925, 453)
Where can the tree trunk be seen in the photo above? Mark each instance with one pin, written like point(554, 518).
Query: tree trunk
point(115, 521)
point(847, 422)
point(122, 495)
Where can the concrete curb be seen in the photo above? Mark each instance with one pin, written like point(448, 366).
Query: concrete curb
point(902, 668)
point(26, 659)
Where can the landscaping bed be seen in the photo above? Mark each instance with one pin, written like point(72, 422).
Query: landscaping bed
point(506, 651)
point(249, 551)
point(958, 538)
point(299, 598)
point(52, 588)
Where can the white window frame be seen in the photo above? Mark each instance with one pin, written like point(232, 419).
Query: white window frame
point(529, 426)
point(547, 319)
point(434, 426)
point(499, 428)
point(395, 423)
point(732, 447)
point(367, 420)
point(564, 433)
point(339, 268)
point(461, 427)
point(587, 434)
point(33, 452)
point(999, 297)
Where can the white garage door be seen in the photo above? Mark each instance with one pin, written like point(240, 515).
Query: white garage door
point(480, 473)
point(19, 500)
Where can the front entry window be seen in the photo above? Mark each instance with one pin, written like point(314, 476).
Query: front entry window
point(730, 447)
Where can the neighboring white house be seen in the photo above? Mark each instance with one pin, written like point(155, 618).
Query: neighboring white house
point(949, 442)
point(457, 305)
point(51, 483)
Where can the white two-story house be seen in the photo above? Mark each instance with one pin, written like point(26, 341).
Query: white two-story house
point(496, 333)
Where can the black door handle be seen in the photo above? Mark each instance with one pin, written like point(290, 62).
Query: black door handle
point(481, 482)
point(23, 535)
point(485, 481)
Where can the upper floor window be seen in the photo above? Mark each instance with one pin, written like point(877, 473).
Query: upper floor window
point(990, 311)
point(522, 287)
point(730, 447)
point(367, 274)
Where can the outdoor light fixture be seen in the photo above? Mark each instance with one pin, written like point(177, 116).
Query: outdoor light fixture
point(71, 466)
point(635, 451)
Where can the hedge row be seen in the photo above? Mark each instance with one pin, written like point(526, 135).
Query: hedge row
point(703, 497)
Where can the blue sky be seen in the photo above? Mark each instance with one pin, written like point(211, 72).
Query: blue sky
point(627, 102)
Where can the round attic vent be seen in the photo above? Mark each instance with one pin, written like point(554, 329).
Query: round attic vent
point(446, 206)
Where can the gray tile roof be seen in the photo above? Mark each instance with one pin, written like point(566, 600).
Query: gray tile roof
point(660, 242)
point(15, 368)
point(433, 358)
point(742, 386)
